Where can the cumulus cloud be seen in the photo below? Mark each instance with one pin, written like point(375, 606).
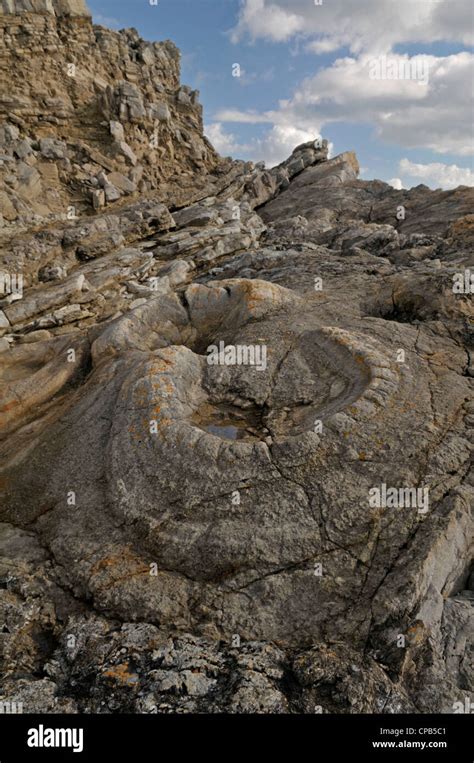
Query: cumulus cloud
point(337, 23)
point(247, 117)
point(429, 109)
point(271, 20)
point(275, 146)
point(396, 183)
point(279, 142)
point(437, 174)
point(224, 142)
point(431, 112)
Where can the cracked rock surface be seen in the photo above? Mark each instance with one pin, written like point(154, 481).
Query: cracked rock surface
point(184, 536)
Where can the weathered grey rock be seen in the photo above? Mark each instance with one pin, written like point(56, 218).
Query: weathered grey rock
point(42, 300)
point(23, 149)
point(120, 182)
point(8, 133)
point(29, 182)
point(160, 111)
point(124, 149)
point(98, 198)
point(112, 193)
point(195, 216)
point(53, 149)
point(4, 322)
point(117, 131)
point(52, 273)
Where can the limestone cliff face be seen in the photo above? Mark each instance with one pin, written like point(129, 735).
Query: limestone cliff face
point(53, 7)
point(89, 115)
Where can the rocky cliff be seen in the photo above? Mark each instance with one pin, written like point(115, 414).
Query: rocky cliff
point(292, 534)
point(93, 116)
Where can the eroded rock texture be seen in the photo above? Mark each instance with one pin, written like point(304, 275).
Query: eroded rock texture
point(184, 536)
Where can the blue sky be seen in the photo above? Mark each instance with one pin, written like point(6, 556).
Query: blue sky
point(309, 68)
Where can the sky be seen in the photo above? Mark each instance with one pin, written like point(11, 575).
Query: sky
point(391, 80)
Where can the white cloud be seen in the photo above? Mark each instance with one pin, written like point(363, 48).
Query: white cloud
point(268, 20)
point(225, 143)
point(437, 174)
point(279, 142)
point(396, 183)
point(275, 146)
point(434, 113)
point(246, 117)
point(375, 25)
